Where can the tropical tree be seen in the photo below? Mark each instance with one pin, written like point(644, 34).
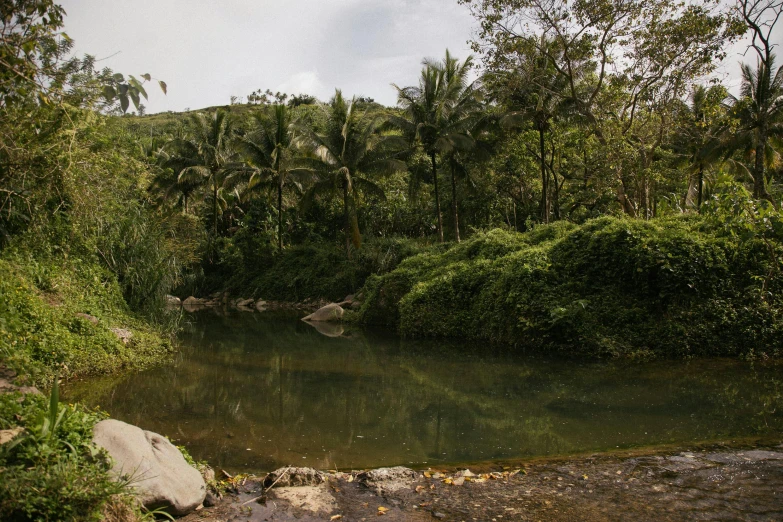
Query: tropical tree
point(204, 157)
point(697, 139)
point(438, 114)
point(342, 158)
point(759, 109)
point(268, 149)
point(535, 95)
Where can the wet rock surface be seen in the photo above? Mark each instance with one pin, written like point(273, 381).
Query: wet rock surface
point(713, 483)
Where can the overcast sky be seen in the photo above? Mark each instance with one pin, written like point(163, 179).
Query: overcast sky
point(210, 50)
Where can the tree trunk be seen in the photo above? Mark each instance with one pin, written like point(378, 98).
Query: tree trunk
point(544, 179)
point(759, 185)
point(437, 196)
point(214, 206)
point(700, 189)
point(347, 220)
point(454, 202)
point(280, 215)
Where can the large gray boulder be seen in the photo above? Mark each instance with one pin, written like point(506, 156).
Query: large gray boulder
point(330, 312)
point(155, 467)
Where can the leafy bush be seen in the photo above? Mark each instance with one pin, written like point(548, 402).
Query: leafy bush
point(609, 287)
point(251, 268)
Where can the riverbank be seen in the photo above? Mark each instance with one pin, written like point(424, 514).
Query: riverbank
point(715, 482)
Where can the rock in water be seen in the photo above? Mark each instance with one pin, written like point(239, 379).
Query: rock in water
point(172, 300)
point(157, 470)
point(330, 312)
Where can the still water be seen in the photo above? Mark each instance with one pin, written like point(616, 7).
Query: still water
point(256, 391)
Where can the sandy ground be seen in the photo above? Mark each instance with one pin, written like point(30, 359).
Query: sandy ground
point(706, 483)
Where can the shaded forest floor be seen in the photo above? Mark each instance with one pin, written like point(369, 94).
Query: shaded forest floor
point(710, 483)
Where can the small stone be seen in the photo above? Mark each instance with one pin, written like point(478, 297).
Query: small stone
point(123, 334)
point(210, 499)
point(88, 317)
point(438, 515)
point(9, 435)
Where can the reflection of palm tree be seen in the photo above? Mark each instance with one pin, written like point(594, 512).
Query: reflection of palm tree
point(439, 113)
point(342, 156)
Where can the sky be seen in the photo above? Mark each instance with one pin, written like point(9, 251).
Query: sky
point(208, 51)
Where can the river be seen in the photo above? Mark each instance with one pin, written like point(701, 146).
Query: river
point(255, 391)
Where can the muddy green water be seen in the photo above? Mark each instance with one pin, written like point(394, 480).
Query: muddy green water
point(256, 391)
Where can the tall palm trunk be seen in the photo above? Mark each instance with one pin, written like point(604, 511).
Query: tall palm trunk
point(214, 206)
point(437, 196)
point(279, 214)
point(454, 202)
point(700, 190)
point(544, 178)
point(759, 186)
point(347, 218)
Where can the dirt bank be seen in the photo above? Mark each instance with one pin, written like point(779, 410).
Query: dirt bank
point(707, 483)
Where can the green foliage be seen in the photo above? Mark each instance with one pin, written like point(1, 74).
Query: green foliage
point(249, 268)
point(609, 287)
point(52, 471)
point(41, 331)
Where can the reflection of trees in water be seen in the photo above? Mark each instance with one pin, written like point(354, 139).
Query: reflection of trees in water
point(283, 390)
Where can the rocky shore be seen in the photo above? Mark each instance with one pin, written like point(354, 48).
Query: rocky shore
point(706, 483)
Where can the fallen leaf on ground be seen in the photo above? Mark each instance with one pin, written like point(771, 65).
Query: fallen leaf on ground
point(419, 489)
point(458, 481)
point(336, 517)
point(382, 510)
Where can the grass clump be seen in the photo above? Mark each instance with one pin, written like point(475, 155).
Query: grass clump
point(51, 470)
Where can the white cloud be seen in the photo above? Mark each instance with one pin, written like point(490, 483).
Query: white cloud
point(305, 82)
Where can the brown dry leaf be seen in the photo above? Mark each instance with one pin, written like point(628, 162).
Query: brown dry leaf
point(428, 474)
point(480, 480)
point(432, 486)
point(336, 517)
point(382, 510)
point(485, 476)
point(437, 475)
point(419, 489)
point(350, 478)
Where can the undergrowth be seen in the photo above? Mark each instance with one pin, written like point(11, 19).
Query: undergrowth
point(613, 286)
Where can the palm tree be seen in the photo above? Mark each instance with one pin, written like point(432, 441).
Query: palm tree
point(204, 157)
point(697, 139)
point(351, 148)
point(438, 114)
point(759, 111)
point(537, 98)
point(268, 149)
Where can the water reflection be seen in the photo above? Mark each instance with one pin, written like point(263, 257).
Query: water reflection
point(257, 391)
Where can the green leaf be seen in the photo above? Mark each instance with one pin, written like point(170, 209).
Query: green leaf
point(118, 77)
point(134, 94)
point(109, 93)
point(162, 86)
point(146, 76)
point(124, 101)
